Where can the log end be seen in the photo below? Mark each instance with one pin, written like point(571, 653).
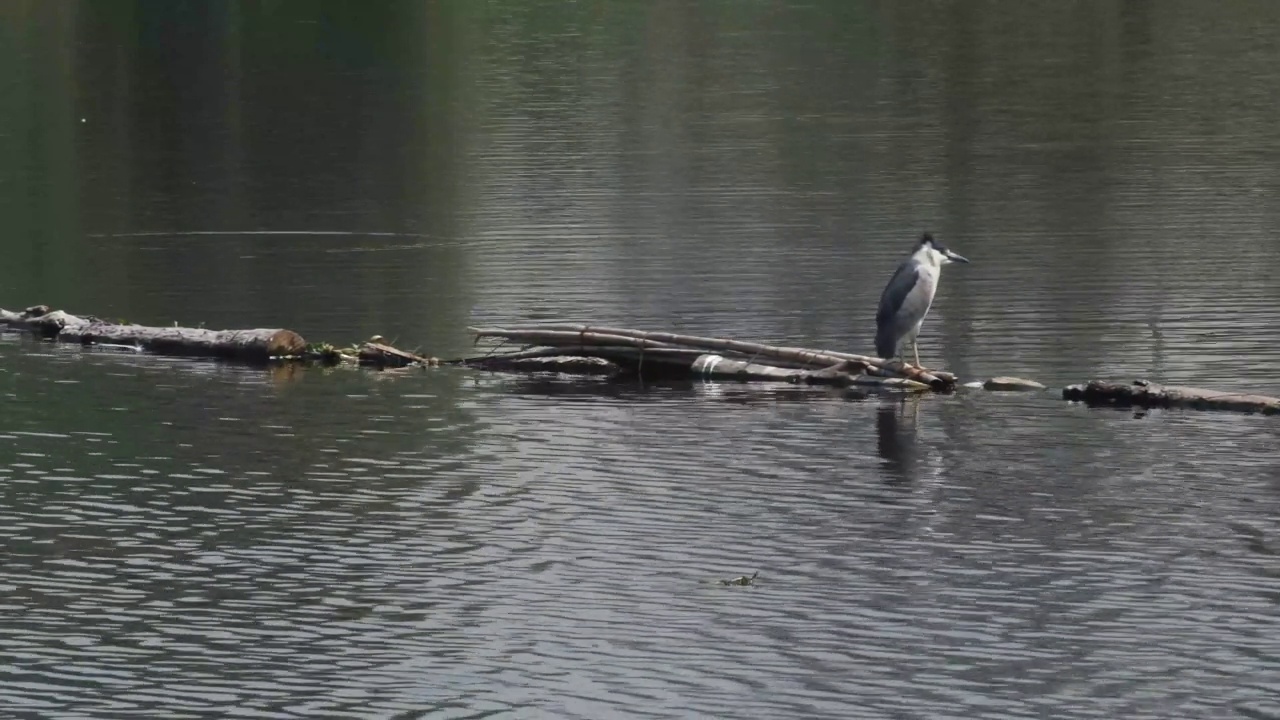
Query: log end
point(286, 343)
point(938, 380)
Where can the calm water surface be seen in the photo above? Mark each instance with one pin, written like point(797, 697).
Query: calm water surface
point(192, 540)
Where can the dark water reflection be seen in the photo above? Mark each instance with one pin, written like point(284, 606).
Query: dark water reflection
point(185, 539)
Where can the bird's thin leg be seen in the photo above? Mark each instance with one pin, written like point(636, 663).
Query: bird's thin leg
point(916, 350)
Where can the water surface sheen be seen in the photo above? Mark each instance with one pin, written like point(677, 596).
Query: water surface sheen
point(184, 539)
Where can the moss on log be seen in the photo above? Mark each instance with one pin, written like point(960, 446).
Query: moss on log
point(377, 353)
point(255, 345)
point(1142, 393)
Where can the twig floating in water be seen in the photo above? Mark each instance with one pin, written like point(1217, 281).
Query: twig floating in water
point(742, 580)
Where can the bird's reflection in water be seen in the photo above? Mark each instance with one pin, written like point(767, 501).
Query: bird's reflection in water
point(896, 438)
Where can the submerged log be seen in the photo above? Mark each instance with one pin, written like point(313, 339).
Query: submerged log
point(568, 364)
point(589, 340)
point(677, 363)
point(1142, 393)
point(1011, 384)
point(255, 345)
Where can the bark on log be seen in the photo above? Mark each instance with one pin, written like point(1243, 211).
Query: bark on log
point(1147, 394)
point(255, 345)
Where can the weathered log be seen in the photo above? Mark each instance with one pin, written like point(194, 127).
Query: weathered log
point(587, 336)
point(255, 345)
point(1142, 393)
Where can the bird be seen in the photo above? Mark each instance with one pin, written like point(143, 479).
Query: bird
point(908, 296)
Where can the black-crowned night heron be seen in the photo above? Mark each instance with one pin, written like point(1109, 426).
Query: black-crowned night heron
point(906, 299)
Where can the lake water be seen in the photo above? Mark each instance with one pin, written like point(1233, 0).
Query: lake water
point(193, 540)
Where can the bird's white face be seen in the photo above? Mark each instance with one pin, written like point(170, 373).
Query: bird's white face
point(929, 255)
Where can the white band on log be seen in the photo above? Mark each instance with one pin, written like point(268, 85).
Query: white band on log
point(706, 364)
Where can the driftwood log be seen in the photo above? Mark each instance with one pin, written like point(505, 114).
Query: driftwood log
point(657, 350)
point(256, 345)
point(1142, 393)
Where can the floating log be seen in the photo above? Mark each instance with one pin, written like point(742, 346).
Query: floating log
point(256, 345)
point(1142, 393)
point(590, 340)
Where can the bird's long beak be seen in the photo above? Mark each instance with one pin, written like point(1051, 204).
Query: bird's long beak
point(955, 258)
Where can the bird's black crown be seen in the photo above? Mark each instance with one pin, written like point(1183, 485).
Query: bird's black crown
point(928, 239)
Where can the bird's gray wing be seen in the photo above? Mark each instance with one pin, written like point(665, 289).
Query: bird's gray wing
point(898, 295)
point(904, 280)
